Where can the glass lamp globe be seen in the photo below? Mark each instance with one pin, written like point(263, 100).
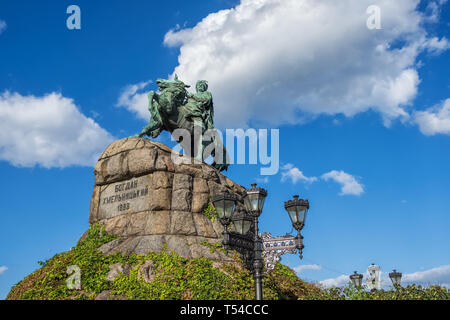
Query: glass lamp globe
point(242, 222)
point(297, 210)
point(396, 277)
point(356, 279)
point(254, 200)
point(225, 204)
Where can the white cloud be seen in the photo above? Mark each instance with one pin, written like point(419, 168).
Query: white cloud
point(281, 61)
point(2, 26)
point(433, 10)
point(49, 131)
point(434, 120)
point(349, 184)
point(134, 100)
point(301, 268)
point(436, 45)
point(439, 276)
point(3, 269)
point(343, 280)
point(293, 173)
point(335, 282)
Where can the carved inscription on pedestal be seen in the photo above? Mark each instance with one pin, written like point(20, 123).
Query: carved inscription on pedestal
point(124, 197)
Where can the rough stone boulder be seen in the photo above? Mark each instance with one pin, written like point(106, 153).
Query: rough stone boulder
point(151, 202)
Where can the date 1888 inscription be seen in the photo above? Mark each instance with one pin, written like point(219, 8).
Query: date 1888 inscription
point(130, 195)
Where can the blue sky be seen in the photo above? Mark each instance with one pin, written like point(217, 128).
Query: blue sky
point(366, 109)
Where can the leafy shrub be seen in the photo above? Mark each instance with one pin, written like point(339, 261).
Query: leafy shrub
point(410, 292)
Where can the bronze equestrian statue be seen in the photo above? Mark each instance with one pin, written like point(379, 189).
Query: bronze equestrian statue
point(175, 108)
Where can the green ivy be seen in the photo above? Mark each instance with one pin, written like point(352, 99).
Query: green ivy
point(213, 247)
point(49, 282)
point(410, 292)
point(210, 212)
point(180, 278)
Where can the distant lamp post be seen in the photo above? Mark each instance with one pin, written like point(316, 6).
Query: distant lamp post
point(356, 279)
point(396, 278)
point(254, 203)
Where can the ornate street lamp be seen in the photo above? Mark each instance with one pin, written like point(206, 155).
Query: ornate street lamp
point(275, 247)
point(242, 222)
point(254, 203)
point(356, 279)
point(243, 235)
point(297, 210)
point(225, 204)
point(254, 200)
point(396, 278)
point(240, 237)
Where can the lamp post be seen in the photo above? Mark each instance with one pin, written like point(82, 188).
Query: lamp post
point(254, 202)
point(396, 278)
point(356, 279)
point(244, 237)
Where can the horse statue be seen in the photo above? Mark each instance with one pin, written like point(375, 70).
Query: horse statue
point(175, 108)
